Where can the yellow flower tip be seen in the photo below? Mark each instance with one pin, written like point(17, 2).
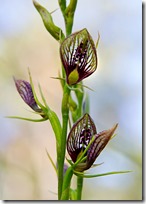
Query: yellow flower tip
point(73, 77)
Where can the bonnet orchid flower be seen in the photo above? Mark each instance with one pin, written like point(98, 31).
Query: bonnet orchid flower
point(79, 138)
point(78, 56)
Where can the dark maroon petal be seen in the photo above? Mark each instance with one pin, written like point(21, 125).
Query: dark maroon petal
point(78, 53)
point(25, 91)
point(80, 136)
point(101, 140)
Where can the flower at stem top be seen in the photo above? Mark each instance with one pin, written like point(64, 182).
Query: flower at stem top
point(78, 56)
point(25, 90)
point(79, 138)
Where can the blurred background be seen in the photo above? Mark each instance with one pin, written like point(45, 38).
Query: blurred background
point(25, 171)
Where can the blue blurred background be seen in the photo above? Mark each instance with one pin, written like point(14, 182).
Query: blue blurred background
point(25, 171)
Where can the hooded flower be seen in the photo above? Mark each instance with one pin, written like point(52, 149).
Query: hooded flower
point(78, 55)
point(79, 138)
point(25, 90)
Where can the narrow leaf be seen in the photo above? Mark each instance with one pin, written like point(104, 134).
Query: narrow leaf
point(28, 119)
point(33, 90)
point(43, 98)
point(51, 160)
point(98, 175)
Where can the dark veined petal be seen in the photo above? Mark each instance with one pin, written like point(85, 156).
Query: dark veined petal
point(80, 136)
point(101, 140)
point(25, 91)
point(78, 55)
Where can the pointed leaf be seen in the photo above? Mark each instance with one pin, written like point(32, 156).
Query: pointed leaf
point(27, 119)
point(51, 160)
point(98, 175)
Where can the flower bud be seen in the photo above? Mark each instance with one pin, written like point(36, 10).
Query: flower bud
point(25, 90)
point(78, 56)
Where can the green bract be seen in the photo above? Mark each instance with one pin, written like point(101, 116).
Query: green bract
point(46, 16)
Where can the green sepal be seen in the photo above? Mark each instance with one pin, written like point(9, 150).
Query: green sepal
point(34, 93)
point(60, 78)
point(70, 161)
point(98, 175)
point(97, 41)
point(51, 160)
point(48, 113)
point(55, 31)
point(87, 87)
point(27, 119)
point(95, 165)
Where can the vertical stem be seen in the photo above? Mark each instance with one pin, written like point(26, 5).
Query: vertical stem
point(79, 187)
point(66, 184)
point(65, 118)
point(69, 16)
point(66, 94)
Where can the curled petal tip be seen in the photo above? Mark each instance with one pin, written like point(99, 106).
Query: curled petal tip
point(114, 128)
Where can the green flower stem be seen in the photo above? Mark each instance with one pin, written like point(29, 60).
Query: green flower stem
point(73, 194)
point(80, 96)
point(62, 4)
point(66, 184)
point(56, 126)
point(68, 14)
point(65, 118)
point(79, 187)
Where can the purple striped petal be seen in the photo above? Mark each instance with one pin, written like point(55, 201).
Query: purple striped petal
point(26, 93)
